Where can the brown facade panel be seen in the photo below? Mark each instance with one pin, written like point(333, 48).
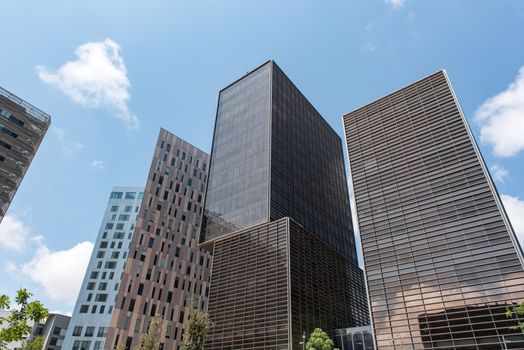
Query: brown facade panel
point(274, 281)
point(22, 128)
point(441, 260)
point(165, 267)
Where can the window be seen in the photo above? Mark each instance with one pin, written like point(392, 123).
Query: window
point(102, 286)
point(77, 344)
point(110, 264)
point(181, 317)
point(140, 289)
point(115, 255)
point(114, 208)
point(91, 285)
point(84, 308)
point(120, 226)
point(118, 235)
point(94, 275)
point(100, 254)
point(131, 305)
point(53, 341)
point(89, 296)
point(98, 344)
point(116, 195)
point(128, 208)
point(101, 297)
point(102, 331)
point(123, 217)
point(56, 331)
point(77, 331)
point(130, 195)
point(89, 331)
point(140, 195)
point(103, 244)
point(109, 226)
point(93, 309)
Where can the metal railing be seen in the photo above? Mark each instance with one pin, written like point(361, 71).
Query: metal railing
point(30, 109)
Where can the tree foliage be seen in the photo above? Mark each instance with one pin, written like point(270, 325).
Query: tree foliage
point(35, 344)
point(151, 340)
point(320, 340)
point(196, 330)
point(15, 326)
point(516, 311)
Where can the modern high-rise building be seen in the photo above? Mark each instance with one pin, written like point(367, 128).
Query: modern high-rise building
point(165, 268)
point(441, 259)
point(277, 219)
point(95, 303)
point(22, 128)
point(53, 329)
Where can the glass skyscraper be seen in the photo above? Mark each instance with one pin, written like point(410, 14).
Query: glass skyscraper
point(441, 259)
point(278, 220)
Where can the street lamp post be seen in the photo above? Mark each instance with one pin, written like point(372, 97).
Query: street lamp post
point(303, 342)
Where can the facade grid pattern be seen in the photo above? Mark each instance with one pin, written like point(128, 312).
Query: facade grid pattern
point(165, 267)
point(22, 128)
point(441, 259)
point(94, 305)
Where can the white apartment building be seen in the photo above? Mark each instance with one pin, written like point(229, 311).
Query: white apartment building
point(94, 305)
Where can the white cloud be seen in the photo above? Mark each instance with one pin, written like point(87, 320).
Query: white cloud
point(67, 145)
point(61, 272)
point(515, 209)
point(396, 3)
point(501, 119)
point(499, 172)
point(97, 78)
point(96, 164)
point(14, 234)
point(370, 47)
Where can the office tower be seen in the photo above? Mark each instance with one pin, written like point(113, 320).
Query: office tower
point(441, 259)
point(22, 128)
point(165, 267)
point(53, 329)
point(94, 305)
point(277, 219)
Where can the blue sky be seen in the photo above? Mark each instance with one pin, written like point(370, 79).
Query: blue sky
point(143, 67)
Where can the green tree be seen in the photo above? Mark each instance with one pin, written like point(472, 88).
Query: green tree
point(35, 344)
point(196, 330)
point(151, 340)
point(516, 311)
point(15, 326)
point(320, 340)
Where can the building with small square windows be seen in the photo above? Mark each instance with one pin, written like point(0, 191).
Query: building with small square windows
point(53, 329)
point(96, 299)
point(165, 267)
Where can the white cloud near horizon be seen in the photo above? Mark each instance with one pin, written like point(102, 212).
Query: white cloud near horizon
point(501, 119)
point(67, 145)
point(499, 172)
point(96, 164)
point(60, 273)
point(97, 78)
point(14, 234)
point(515, 209)
point(395, 3)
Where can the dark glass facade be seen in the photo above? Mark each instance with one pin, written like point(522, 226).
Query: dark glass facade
point(274, 156)
point(278, 220)
point(22, 128)
point(441, 259)
point(274, 281)
point(238, 192)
